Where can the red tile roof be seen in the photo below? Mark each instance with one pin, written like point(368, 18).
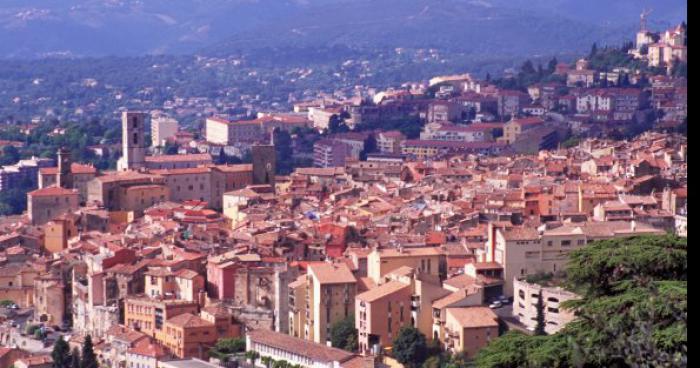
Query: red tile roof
point(52, 191)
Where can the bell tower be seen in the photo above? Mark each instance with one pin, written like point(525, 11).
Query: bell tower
point(133, 142)
point(64, 178)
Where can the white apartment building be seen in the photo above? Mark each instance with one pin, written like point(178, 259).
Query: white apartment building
point(525, 305)
point(526, 251)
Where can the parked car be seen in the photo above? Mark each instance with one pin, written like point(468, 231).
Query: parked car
point(496, 304)
point(504, 299)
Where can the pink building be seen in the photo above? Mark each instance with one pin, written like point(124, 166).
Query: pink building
point(221, 279)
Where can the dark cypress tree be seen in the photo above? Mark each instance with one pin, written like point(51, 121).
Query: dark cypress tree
point(75, 358)
point(61, 354)
point(539, 328)
point(552, 65)
point(594, 50)
point(89, 360)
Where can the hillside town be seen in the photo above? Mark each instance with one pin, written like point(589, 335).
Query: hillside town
point(339, 215)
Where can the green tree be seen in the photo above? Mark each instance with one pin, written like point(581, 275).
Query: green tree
point(252, 356)
point(632, 310)
point(410, 347)
point(60, 353)
point(594, 50)
point(225, 347)
point(75, 358)
point(539, 328)
point(10, 155)
point(88, 357)
point(268, 361)
point(369, 147)
point(344, 334)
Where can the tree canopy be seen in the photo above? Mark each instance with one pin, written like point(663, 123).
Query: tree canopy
point(344, 334)
point(61, 354)
point(88, 359)
point(410, 347)
point(632, 310)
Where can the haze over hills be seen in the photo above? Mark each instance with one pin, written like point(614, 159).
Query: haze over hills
point(36, 28)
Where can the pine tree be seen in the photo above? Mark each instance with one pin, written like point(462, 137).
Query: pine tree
point(89, 360)
point(539, 328)
point(60, 354)
point(75, 358)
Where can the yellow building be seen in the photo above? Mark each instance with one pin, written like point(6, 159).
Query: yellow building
point(188, 335)
point(58, 231)
point(149, 315)
point(515, 127)
point(297, 306)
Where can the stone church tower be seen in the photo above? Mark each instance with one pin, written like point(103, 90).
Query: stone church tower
point(133, 142)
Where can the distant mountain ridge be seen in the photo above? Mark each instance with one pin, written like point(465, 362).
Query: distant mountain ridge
point(37, 28)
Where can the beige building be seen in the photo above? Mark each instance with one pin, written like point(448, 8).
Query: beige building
point(149, 315)
point(381, 312)
point(183, 284)
point(525, 251)
point(469, 329)
point(390, 142)
point(17, 283)
point(80, 176)
point(404, 298)
point(224, 132)
point(48, 203)
point(49, 300)
point(525, 305)
point(162, 128)
point(330, 298)
point(187, 335)
point(428, 260)
point(297, 306)
point(58, 231)
point(185, 161)
point(111, 190)
point(515, 127)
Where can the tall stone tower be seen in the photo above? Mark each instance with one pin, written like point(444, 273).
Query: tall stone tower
point(263, 164)
point(133, 142)
point(64, 178)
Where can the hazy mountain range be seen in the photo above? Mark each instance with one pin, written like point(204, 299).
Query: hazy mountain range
point(37, 28)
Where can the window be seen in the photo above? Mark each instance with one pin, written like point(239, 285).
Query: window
point(565, 243)
point(581, 242)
